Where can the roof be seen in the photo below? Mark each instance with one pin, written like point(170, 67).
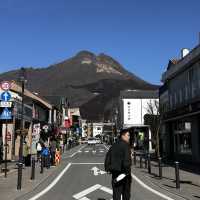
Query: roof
point(192, 57)
point(27, 93)
point(139, 94)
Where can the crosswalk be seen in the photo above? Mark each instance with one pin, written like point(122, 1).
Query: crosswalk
point(92, 150)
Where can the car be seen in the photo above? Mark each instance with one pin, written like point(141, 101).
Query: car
point(98, 141)
point(83, 141)
point(92, 141)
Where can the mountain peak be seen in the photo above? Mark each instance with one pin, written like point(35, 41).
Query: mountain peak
point(85, 54)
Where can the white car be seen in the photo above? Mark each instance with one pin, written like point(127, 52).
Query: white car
point(92, 141)
point(98, 141)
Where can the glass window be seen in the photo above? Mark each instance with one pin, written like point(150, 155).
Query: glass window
point(182, 137)
point(180, 96)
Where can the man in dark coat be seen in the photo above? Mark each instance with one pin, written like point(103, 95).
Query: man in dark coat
point(121, 167)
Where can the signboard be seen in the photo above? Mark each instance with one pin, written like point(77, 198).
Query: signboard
point(8, 135)
point(6, 114)
point(5, 96)
point(45, 127)
point(6, 104)
point(5, 85)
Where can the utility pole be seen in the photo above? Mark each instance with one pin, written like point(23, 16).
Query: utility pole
point(20, 163)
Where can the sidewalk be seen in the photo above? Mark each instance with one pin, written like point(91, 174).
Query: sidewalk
point(8, 186)
point(189, 182)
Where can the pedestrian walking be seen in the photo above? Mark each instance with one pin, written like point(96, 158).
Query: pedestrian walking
point(118, 163)
point(53, 145)
point(46, 154)
point(25, 154)
point(39, 149)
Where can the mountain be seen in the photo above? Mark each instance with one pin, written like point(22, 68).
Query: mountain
point(90, 81)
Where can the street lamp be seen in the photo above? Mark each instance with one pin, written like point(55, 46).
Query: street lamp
point(20, 163)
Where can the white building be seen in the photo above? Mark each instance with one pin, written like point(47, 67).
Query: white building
point(97, 129)
point(133, 107)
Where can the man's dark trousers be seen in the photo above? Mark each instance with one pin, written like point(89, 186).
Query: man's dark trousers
point(122, 187)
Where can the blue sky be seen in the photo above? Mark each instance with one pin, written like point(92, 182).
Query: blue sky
point(140, 34)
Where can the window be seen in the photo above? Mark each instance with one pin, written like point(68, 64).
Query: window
point(186, 92)
point(182, 137)
point(180, 96)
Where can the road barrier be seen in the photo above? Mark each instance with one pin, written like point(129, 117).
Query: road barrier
point(177, 175)
point(141, 161)
point(42, 164)
point(160, 167)
point(33, 169)
point(57, 157)
point(149, 163)
point(134, 158)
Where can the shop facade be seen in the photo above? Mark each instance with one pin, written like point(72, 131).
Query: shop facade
point(180, 97)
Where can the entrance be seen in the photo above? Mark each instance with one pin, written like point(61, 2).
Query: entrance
point(139, 138)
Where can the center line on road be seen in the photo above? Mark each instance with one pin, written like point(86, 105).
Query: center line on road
point(52, 184)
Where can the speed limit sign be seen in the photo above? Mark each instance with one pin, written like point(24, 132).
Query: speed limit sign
point(5, 85)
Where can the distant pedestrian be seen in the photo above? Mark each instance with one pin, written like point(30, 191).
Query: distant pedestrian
point(25, 153)
point(118, 163)
point(53, 145)
point(39, 149)
point(46, 155)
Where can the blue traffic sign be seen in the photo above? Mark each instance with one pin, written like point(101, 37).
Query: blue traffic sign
point(5, 96)
point(6, 114)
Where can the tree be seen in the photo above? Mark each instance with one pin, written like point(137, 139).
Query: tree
point(154, 119)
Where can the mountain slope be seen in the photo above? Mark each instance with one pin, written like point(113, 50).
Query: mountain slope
point(89, 81)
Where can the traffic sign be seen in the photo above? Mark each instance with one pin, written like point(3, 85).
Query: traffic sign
point(6, 104)
point(5, 85)
point(6, 96)
point(6, 114)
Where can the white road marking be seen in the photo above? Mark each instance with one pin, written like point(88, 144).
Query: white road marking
point(150, 189)
point(87, 163)
point(105, 189)
point(101, 151)
point(86, 151)
point(82, 195)
point(84, 198)
point(87, 191)
point(106, 147)
point(76, 152)
point(52, 184)
point(97, 171)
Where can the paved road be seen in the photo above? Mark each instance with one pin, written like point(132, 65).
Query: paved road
point(81, 176)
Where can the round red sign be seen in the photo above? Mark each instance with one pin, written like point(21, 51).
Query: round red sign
point(5, 85)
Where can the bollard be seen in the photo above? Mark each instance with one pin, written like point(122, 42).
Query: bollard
point(140, 161)
point(145, 162)
point(134, 158)
point(42, 164)
point(177, 175)
point(160, 167)
point(149, 163)
point(19, 180)
point(33, 169)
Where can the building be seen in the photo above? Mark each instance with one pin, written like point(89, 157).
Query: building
point(37, 118)
point(180, 97)
point(133, 106)
point(97, 129)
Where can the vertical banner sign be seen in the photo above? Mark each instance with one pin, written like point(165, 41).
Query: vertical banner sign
point(6, 115)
